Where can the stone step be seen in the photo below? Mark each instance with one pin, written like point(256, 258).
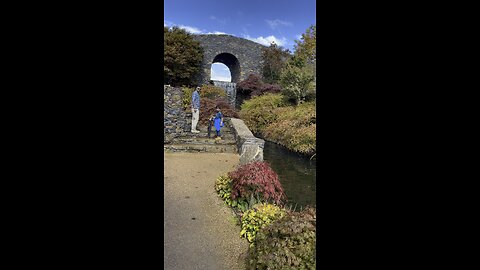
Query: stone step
point(223, 131)
point(205, 127)
point(201, 135)
point(200, 148)
point(190, 140)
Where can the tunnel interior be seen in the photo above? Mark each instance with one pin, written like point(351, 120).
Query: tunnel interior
point(231, 62)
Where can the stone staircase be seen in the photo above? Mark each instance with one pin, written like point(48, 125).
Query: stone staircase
point(199, 142)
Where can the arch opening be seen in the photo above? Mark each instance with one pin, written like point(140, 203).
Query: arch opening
point(231, 62)
point(220, 72)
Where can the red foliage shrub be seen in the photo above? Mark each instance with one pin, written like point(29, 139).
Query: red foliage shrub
point(252, 83)
point(257, 178)
point(207, 109)
point(254, 86)
point(267, 88)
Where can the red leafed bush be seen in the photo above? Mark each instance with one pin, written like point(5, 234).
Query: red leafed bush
point(207, 109)
point(269, 88)
point(252, 83)
point(253, 86)
point(257, 178)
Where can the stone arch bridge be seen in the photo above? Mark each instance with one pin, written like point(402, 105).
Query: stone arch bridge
point(240, 55)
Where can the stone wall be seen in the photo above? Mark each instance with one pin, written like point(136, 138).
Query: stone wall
point(250, 148)
point(230, 88)
point(176, 121)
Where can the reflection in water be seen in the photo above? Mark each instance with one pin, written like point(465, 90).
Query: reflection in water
point(297, 174)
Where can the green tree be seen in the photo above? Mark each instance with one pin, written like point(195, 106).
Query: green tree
point(182, 57)
point(298, 77)
point(297, 81)
point(306, 47)
point(274, 58)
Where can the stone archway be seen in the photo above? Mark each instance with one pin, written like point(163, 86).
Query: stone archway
point(242, 56)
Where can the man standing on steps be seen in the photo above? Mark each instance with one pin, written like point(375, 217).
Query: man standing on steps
point(195, 109)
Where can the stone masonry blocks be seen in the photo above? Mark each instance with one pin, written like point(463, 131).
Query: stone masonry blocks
point(242, 56)
point(176, 121)
point(249, 147)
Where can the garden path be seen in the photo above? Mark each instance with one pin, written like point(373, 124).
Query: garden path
point(199, 228)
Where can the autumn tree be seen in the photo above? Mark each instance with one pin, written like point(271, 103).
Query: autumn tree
point(274, 58)
point(182, 57)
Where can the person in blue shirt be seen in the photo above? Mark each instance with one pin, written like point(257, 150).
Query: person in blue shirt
point(218, 122)
point(195, 109)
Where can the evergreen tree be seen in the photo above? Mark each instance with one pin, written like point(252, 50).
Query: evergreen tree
point(182, 57)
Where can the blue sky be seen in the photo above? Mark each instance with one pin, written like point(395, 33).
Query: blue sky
point(262, 21)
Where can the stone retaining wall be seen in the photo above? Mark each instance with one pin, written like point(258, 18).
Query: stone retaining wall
point(249, 147)
point(176, 122)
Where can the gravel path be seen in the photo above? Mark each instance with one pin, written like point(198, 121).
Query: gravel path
point(199, 228)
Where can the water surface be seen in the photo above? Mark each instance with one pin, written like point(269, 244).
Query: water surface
point(296, 172)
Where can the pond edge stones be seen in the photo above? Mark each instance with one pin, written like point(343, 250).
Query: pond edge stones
point(249, 147)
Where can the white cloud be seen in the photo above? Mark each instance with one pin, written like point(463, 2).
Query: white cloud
point(273, 24)
point(267, 40)
point(191, 29)
point(216, 33)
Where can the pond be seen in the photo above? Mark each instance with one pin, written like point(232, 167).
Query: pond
point(296, 172)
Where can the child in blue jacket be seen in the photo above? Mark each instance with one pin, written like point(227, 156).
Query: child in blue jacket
point(218, 122)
